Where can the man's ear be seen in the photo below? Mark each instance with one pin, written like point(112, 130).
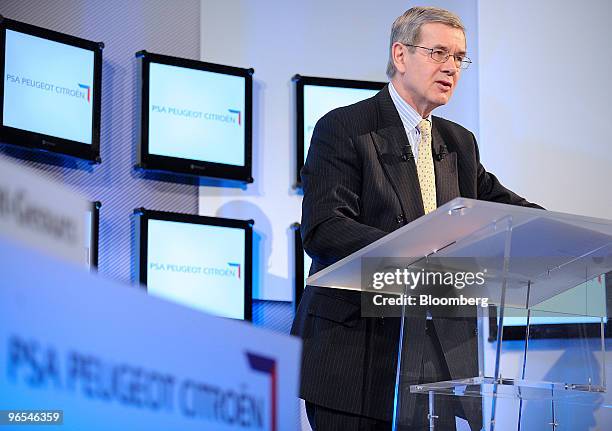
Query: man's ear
point(398, 54)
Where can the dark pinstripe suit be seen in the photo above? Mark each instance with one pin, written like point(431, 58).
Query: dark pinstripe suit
point(357, 188)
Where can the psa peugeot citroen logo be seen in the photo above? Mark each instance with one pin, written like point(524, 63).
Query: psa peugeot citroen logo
point(88, 88)
point(235, 111)
point(267, 365)
point(235, 265)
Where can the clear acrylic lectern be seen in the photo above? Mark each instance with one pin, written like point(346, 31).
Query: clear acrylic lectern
point(539, 267)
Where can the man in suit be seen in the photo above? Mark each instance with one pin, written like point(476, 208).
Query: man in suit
point(373, 167)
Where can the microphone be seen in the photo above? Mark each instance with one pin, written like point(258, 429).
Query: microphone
point(441, 153)
point(407, 153)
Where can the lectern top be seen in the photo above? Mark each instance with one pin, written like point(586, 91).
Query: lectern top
point(553, 251)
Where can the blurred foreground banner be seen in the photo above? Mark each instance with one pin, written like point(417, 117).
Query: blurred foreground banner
point(110, 357)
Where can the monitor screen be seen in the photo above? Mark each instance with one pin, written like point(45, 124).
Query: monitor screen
point(202, 262)
point(589, 297)
point(575, 313)
point(316, 97)
point(196, 117)
point(50, 91)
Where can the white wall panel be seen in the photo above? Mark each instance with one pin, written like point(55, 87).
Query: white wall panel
point(545, 100)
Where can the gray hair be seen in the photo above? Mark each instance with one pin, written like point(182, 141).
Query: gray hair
point(407, 28)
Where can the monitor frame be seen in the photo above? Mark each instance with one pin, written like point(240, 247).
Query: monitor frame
point(40, 141)
point(154, 162)
point(95, 235)
point(300, 82)
point(143, 217)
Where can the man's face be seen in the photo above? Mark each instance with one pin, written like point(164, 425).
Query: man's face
point(423, 83)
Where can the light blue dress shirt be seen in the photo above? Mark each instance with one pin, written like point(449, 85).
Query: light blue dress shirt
point(410, 119)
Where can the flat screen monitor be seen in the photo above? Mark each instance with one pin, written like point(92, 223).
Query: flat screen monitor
point(92, 229)
point(196, 117)
point(201, 262)
point(594, 295)
point(315, 97)
point(302, 265)
point(50, 91)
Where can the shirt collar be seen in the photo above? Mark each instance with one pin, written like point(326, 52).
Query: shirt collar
point(410, 118)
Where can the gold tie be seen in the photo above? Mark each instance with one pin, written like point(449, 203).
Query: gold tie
point(425, 168)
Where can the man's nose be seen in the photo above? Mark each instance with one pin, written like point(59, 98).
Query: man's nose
point(450, 65)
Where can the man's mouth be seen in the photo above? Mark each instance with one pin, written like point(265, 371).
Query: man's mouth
point(445, 85)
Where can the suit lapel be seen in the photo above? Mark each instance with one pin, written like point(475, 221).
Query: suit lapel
point(389, 140)
point(447, 181)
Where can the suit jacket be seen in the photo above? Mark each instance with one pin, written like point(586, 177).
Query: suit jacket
point(358, 188)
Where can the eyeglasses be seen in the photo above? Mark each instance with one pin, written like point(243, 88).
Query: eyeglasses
point(441, 56)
